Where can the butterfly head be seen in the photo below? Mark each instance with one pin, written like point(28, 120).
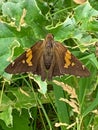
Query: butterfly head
point(49, 37)
point(49, 40)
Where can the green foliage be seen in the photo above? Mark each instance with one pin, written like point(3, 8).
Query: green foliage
point(24, 22)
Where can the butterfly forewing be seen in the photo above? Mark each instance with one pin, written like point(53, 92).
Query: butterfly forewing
point(68, 63)
point(29, 61)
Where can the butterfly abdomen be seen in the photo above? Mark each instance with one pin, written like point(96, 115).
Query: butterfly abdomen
point(48, 56)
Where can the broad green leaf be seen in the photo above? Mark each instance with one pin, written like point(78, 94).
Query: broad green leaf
point(84, 12)
point(21, 121)
point(13, 11)
point(87, 18)
point(5, 32)
point(63, 30)
point(6, 109)
point(6, 116)
point(35, 18)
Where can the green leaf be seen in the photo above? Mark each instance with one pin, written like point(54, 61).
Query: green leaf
point(6, 109)
point(92, 106)
point(61, 106)
point(87, 18)
point(6, 116)
point(93, 60)
point(5, 32)
point(21, 121)
point(42, 84)
point(13, 10)
point(65, 28)
point(24, 98)
point(84, 12)
point(35, 18)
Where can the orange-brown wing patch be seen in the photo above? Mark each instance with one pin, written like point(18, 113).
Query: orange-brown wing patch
point(29, 56)
point(67, 59)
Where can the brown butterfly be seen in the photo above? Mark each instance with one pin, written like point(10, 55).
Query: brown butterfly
point(48, 58)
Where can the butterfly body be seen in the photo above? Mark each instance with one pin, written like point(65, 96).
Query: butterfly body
point(48, 58)
point(48, 52)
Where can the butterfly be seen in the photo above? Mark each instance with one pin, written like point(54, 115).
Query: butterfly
point(48, 58)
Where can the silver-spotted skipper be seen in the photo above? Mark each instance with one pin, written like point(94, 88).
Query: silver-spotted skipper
point(48, 58)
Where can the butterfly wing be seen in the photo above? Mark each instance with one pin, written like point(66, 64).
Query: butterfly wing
point(67, 63)
point(29, 61)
